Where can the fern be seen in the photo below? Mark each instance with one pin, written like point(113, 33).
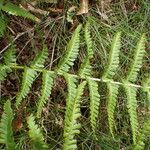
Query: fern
point(30, 74)
point(113, 61)
point(72, 114)
point(6, 133)
point(27, 81)
point(4, 70)
point(10, 56)
point(12, 9)
point(86, 69)
point(45, 91)
point(94, 102)
point(132, 106)
point(35, 134)
point(71, 53)
point(112, 99)
point(138, 57)
point(142, 136)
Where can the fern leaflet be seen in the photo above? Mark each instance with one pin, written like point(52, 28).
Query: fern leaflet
point(113, 60)
point(137, 62)
point(3, 71)
point(112, 99)
point(71, 115)
point(17, 11)
point(30, 74)
point(2, 25)
point(71, 53)
point(47, 85)
point(94, 102)
point(35, 134)
point(132, 106)
point(142, 136)
point(6, 132)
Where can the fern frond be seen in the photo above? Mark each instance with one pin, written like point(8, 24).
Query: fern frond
point(88, 40)
point(113, 61)
point(17, 11)
point(146, 84)
point(35, 134)
point(10, 55)
point(4, 70)
point(40, 58)
point(132, 106)
point(71, 53)
point(142, 136)
point(2, 25)
point(94, 102)
point(112, 99)
point(47, 85)
point(72, 114)
point(86, 68)
point(6, 132)
point(137, 61)
point(27, 81)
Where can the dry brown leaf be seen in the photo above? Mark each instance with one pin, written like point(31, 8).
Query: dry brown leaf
point(83, 7)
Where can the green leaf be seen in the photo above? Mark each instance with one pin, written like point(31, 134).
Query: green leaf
point(35, 135)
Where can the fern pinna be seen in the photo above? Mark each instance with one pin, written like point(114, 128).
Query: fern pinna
point(75, 90)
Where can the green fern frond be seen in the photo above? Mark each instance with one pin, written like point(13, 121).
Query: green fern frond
point(142, 136)
point(137, 62)
point(6, 132)
point(71, 53)
point(10, 55)
point(146, 84)
point(88, 40)
point(35, 134)
point(94, 102)
point(4, 70)
point(47, 85)
point(12, 9)
point(113, 61)
point(27, 81)
point(72, 114)
point(40, 58)
point(86, 68)
point(132, 109)
point(112, 99)
point(2, 25)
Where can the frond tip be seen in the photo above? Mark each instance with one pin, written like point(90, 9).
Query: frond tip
point(35, 134)
point(6, 132)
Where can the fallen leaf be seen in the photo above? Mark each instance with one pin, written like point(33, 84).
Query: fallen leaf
point(83, 7)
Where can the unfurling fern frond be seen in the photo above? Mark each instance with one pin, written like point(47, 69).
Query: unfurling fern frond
point(35, 135)
point(86, 68)
point(47, 85)
point(142, 136)
point(27, 81)
point(6, 132)
point(4, 70)
point(132, 109)
point(29, 74)
point(112, 99)
point(12, 9)
point(40, 58)
point(71, 115)
point(137, 62)
point(10, 55)
point(94, 102)
point(113, 60)
point(71, 53)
